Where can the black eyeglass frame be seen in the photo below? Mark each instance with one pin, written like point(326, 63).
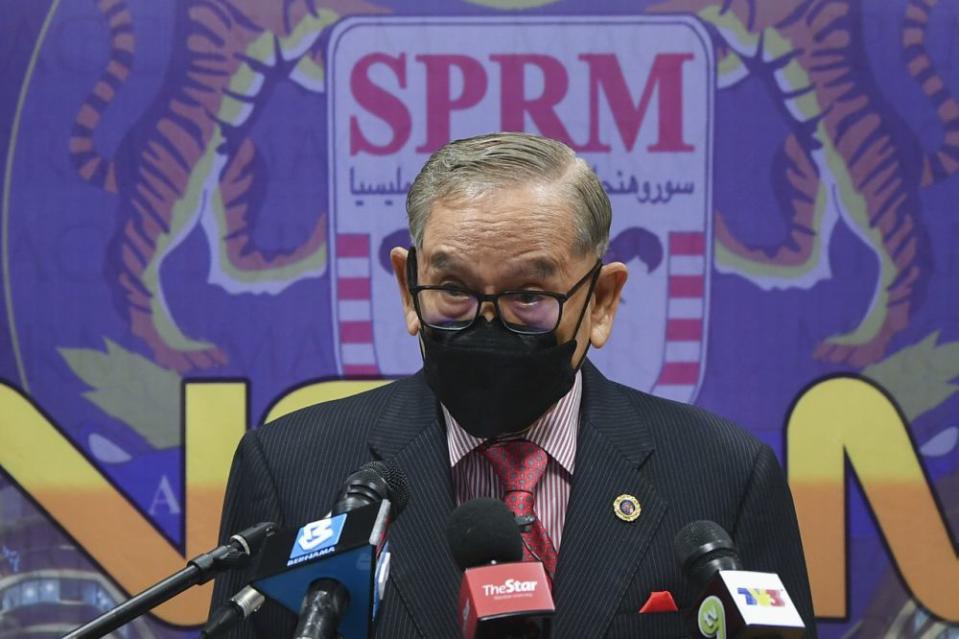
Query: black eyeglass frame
point(411, 276)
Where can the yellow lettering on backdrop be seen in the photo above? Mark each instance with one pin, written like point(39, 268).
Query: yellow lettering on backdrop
point(321, 392)
point(72, 490)
point(59, 477)
point(849, 417)
point(836, 418)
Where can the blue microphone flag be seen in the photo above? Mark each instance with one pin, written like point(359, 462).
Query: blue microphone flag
point(343, 547)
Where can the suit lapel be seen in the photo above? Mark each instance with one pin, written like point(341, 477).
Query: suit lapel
point(410, 435)
point(601, 553)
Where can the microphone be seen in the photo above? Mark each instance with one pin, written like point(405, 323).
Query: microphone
point(734, 602)
point(199, 570)
point(381, 491)
point(501, 596)
point(327, 600)
point(238, 608)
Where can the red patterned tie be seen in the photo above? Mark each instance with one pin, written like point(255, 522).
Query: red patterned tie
point(520, 465)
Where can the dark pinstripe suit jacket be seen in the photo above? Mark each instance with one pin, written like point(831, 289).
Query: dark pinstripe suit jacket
point(680, 462)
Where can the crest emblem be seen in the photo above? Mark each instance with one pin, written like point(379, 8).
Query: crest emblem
point(627, 508)
point(399, 88)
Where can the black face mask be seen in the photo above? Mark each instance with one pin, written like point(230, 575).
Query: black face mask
point(494, 381)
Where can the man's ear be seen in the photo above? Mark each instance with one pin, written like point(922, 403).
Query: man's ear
point(606, 293)
point(398, 257)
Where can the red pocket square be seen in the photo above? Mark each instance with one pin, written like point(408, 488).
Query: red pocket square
point(659, 601)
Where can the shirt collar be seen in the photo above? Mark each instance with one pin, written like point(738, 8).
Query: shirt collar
point(554, 431)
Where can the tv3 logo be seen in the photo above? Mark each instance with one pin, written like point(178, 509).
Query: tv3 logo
point(318, 535)
point(764, 597)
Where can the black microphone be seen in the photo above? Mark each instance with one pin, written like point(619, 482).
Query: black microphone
point(501, 596)
point(374, 482)
point(240, 606)
point(320, 604)
point(734, 602)
point(324, 605)
point(703, 548)
point(235, 553)
point(327, 599)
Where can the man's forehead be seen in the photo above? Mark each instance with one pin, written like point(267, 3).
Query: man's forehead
point(520, 231)
point(530, 208)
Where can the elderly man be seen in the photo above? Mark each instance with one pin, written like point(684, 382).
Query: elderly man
point(506, 290)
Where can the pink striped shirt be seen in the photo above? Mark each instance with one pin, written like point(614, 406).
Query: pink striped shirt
point(555, 432)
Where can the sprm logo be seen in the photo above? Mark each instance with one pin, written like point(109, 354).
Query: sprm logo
point(318, 535)
point(509, 587)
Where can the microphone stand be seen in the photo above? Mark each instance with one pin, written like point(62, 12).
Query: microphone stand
point(141, 603)
point(199, 570)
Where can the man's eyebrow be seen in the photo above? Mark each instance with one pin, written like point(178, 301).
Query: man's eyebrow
point(540, 267)
point(441, 260)
point(537, 268)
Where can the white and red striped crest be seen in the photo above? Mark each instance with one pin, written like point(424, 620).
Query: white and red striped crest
point(632, 95)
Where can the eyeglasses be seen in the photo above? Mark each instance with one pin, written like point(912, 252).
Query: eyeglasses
point(527, 312)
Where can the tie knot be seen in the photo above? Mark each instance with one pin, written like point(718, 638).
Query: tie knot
point(518, 463)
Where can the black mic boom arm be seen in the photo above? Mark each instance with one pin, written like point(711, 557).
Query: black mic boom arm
point(199, 570)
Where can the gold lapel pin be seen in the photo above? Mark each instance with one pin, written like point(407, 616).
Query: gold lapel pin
point(627, 507)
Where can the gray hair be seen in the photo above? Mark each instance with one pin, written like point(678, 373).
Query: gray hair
point(475, 166)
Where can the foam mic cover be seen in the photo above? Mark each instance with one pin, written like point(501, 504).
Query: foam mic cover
point(501, 596)
point(483, 531)
point(372, 483)
point(703, 548)
point(734, 602)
